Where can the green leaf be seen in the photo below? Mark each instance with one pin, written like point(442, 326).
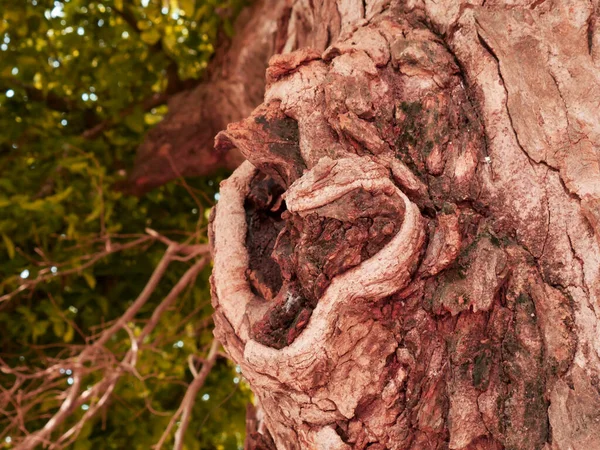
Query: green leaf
point(135, 120)
point(57, 198)
point(83, 443)
point(188, 6)
point(169, 40)
point(95, 213)
point(10, 246)
point(39, 328)
point(47, 404)
point(36, 205)
point(58, 326)
point(89, 279)
point(103, 304)
point(77, 166)
point(151, 36)
point(69, 334)
point(29, 315)
point(13, 15)
point(228, 28)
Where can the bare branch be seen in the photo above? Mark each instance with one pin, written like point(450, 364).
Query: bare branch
point(65, 411)
point(187, 404)
point(53, 101)
point(190, 396)
point(137, 304)
point(106, 386)
point(45, 274)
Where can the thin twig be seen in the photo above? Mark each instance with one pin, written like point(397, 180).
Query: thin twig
point(69, 404)
point(43, 275)
point(101, 357)
point(187, 404)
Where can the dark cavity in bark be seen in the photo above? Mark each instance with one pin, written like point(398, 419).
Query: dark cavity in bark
point(310, 251)
point(264, 207)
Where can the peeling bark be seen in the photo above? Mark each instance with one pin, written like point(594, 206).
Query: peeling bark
point(410, 257)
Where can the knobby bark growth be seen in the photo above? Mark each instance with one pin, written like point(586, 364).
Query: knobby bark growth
point(410, 257)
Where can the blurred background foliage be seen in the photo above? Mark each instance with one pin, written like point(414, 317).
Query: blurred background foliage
point(81, 81)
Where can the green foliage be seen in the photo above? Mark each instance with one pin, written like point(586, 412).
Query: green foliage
point(68, 68)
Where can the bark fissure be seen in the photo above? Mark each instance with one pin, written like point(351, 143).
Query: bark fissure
point(549, 220)
point(581, 265)
point(489, 49)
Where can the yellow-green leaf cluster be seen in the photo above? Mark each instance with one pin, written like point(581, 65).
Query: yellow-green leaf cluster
point(68, 67)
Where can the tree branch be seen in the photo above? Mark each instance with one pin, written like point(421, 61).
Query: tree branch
point(187, 404)
point(233, 87)
point(43, 274)
point(52, 100)
point(190, 396)
point(74, 398)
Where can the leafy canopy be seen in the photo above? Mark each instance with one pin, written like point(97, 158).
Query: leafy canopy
point(80, 84)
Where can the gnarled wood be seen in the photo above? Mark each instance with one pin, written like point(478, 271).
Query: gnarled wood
point(429, 272)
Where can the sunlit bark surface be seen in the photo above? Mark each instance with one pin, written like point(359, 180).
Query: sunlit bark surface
point(410, 257)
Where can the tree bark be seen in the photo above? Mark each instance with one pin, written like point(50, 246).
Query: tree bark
point(410, 257)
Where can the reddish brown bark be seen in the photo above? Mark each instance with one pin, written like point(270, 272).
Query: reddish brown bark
point(410, 257)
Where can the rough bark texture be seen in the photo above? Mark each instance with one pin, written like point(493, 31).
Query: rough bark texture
point(410, 257)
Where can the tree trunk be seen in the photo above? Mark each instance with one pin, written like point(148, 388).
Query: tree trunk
point(410, 257)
